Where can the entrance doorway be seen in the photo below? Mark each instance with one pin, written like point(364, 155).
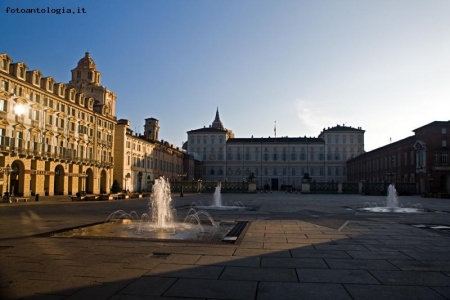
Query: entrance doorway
point(274, 184)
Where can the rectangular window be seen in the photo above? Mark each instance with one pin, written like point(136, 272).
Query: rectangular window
point(5, 85)
point(3, 105)
point(35, 115)
point(3, 140)
point(444, 157)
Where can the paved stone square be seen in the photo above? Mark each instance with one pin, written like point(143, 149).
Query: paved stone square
point(295, 246)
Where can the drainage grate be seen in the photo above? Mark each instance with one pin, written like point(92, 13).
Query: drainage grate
point(161, 254)
point(235, 232)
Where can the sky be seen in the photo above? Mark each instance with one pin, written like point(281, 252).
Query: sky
point(380, 65)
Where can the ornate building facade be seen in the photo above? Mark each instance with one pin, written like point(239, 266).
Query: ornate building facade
point(422, 158)
point(55, 138)
point(275, 161)
point(139, 159)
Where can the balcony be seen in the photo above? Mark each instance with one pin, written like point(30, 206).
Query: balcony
point(35, 123)
point(20, 119)
point(48, 127)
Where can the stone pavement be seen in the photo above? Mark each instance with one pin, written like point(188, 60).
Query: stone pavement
point(295, 247)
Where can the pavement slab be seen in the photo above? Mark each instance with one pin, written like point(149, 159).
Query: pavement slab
point(304, 291)
point(186, 271)
point(148, 286)
point(418, 278)
point(376, 292)
point(259, 274)
point(213, 289)
point(215, 260)
point(336, 276)
point(304, 263)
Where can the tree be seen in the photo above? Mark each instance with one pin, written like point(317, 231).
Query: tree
point(116, 187)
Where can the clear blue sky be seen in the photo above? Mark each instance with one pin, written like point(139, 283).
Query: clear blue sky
point(381, 65)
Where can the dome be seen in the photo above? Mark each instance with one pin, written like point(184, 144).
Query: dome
point(86, 62)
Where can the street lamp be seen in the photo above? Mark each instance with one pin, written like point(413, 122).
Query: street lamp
point(182, 176)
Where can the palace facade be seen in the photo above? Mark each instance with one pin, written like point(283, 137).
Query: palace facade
point(55, 138)
point(140, 159)
point(275, 161)
point(422, 158)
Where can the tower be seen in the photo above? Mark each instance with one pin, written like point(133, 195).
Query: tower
point(86, 80)
point(217, 124)
point(151, 129)
point(86, 72)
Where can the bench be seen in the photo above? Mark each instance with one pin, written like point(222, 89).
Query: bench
point(17, 199)
point(91, 197)
point(116, 196)
point(77, 198)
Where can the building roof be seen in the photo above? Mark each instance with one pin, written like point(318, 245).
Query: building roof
point(435, 123)
point(281, 140)
point(410, 139)
point(342, 128)
point(207, 129)
point(86, 62)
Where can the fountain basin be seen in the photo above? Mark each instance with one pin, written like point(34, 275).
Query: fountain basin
point(392, 209)
point(131, 230)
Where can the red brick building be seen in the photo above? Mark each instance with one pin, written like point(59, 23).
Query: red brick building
point(422, 159)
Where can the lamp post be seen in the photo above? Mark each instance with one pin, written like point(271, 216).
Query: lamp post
point(182, 176)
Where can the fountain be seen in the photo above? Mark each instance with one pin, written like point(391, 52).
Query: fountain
point(392, 198)
point(217, 202)
point(392, 204)
point(197, 225)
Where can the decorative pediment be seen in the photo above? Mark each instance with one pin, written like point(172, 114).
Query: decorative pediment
point(5, 94)
point(72, 139)
point(36, 106)
point(49, 110)
point(19, 127)
point(82, 122)
point(419, 145)
point(20, 100)
point(49, 134)
point(3, 123)
point(35, 131)
point(61, 137)
point(62, 115)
